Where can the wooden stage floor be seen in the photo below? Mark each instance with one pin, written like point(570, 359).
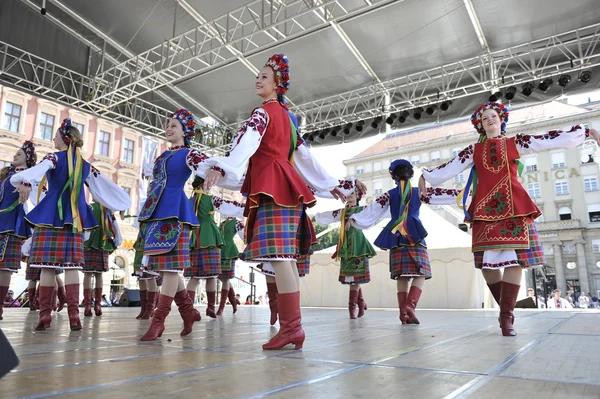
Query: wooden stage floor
point(452, 354)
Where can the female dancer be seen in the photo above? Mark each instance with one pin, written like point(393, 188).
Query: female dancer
point(13, 228)
point(103, 240)
point(205, 251)
point(501, 212)
point(229, 253)
point(354, 251)
point(405, 235)
point(277, 228)
point(62, 215)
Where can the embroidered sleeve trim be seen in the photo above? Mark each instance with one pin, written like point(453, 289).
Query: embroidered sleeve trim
point(194, 158)
point(52, 158)
point(383, 199)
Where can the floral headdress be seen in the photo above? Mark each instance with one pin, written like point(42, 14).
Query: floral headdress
point(281, 69)
point(399, 162)
point(64, 131)
point(30, 154)
point(188, 123)
point(498, 107)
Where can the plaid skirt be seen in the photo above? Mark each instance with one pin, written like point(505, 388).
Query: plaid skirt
point(277, 232)
point(409, 262)
point(176, 260)
point(34, 273)
point(227, 269)
point(205, 262)
point(95, 261)
point(357, 278)
point(56, 249)
point(303, 264)
point(10, 253)
point(527, 258)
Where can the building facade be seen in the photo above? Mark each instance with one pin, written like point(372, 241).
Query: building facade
point(563, 184)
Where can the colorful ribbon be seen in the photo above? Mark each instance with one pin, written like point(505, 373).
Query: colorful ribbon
point(74, 184)
point(341, 244)
point(400, 225)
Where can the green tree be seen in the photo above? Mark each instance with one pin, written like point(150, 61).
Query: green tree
point(327, 240)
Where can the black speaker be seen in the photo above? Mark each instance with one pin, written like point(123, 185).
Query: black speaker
point(129, 298)
point(527, 303)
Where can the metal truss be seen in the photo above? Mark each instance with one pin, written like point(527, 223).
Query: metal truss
point(250, 29)
point(570, 51)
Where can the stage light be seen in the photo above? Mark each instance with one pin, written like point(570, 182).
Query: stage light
point(334, 131)
point(431, 109)
point(585, 76)
point(403, 116)
point(347, 128)
point(322, 134)
point(312, 137)
point(564, 80)
point(417, 113)
point(376, 122)
point(445, 105)
point(545, 84)
point(306, 136)
point(527, 89)
point(390, 119)
point(360, 125)
point(510, 93)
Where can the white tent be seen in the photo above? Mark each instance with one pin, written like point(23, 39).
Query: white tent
point(455, 284)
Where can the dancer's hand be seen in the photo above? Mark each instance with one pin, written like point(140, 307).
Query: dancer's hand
point(24, 192)
point(349, 224)
point(596, 135)
point(422, 186)
point(122, 214)
point(337, 194)
point(212, 178)
point(361, 186)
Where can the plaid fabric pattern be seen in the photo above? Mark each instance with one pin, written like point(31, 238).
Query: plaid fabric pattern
point(227, 269)
point(409, 262)
point(303, 264)
point(95, 261)
point(205, 262)
point(275, 231)
point(177, 259)
point(10, 259)
point(358, 279)
point(531, 257)
point(34, 273)
point(56, 248)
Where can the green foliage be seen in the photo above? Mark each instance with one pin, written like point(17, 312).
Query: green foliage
point(327, 240)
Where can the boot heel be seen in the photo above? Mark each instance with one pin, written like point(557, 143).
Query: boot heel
point(299, 346)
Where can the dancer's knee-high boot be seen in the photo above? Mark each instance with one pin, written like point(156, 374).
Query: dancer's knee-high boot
point(31, 296)
point(98, 301)
point(272, 291)
point(188, 313)
point(3, 292)
point(72, 291)
point(411, 304)
point(143, 301)
point(290, 321)
point(210, 308)
point(401, 306)
point(87, 302)
point(222, 302)
point(62, 298)
point(352, 303)
point(362, 305)
point(495, 289)
point(232, 299)
point(45, 301)
point(158, 320)
point(508, 299)
point(150, 304)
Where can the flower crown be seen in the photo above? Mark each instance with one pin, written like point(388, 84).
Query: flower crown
point(64, 131)
point(30, 154)
point(281, 68)
point(498, 107)
point(188, 123)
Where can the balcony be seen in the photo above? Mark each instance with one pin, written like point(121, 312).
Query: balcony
point(559, 225)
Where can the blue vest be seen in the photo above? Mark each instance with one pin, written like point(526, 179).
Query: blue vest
point(12, 222)
point(389, 240)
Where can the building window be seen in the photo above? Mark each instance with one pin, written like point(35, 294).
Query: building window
point(415, 159)
point(558, 160)
point(548, 249)
point(12, 116)
point(564, 213)
point(377, 187)
point(360, 169)
point(5, 163)
point(103, 144)
point(376, 166)
point(455, 152)
point(435, 156)
point(561, 187)
point(459, 178)
point(79, 127)
point(596, 246)
point(531, 164)
point(540, 219)
point(568, 249)
point(594, 212)
point(128, 147)
point(534, 190)
point(590, 183)
point(128, 191)
point(46, 126)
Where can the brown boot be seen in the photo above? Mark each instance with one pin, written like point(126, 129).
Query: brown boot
point(411, 304)
point(62, 298)
point(54, 301)
point(3, 292)
point(232, 299)
point(150, 301)
point(508, 299)
point(188, 313)
point(401, 306)
point(352, 303)
point(158, 321)
point(362, 305)
point(224, 294)
point(495, 289)
point(72, 291)
point(290, 320)
point(210, 309)
point(143, 301)
point(45, 300)
point(272, 291)
point(31, 296)
point(87, 302)
point(98, 301)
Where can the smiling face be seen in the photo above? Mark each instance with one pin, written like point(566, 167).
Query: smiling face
point(174, 132)
point(19, 160)
point(265, 85)
point(491, 122)
point(351, 200)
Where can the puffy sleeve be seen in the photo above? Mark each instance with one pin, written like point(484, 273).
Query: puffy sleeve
point(26, 246)
point(228, 208)
point(239, 227)
point(245, 143)
point(35, 174)
point(106, 192)
point(329, 217)
point(373, 213)
point(445, 171)
point(346, 186)
point(440, 196)
point(527, 144)
point(118, 240)
point(312, 172)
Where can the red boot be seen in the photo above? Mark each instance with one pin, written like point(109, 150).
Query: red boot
point(54, 301)
point(362, 305)
point(150, 300)
point(158, 321)
point(185, 304)
point(508, 299)
point(36, 300)
point(45, 300)
point(401, 306)
point(62, 298)
point(98, 301)
point(210, 309)
point(411, 304)
point(352, 303)
point(495, 289)
point(272, 291)
point(290, 320)
point(72, 291)
point(224, 294)
point(3, 292)
point(143, 302)
point(87, 302)
point(31, 296)
point(232, 299)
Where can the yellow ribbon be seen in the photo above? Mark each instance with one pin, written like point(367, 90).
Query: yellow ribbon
point(76, 169)
point(41, 188)
point(342, 237)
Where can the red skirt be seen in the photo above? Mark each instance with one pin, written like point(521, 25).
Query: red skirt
point(409, 262)
point(205, 263)
point(10, 253)
point(56, 248)
point(95, 261)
